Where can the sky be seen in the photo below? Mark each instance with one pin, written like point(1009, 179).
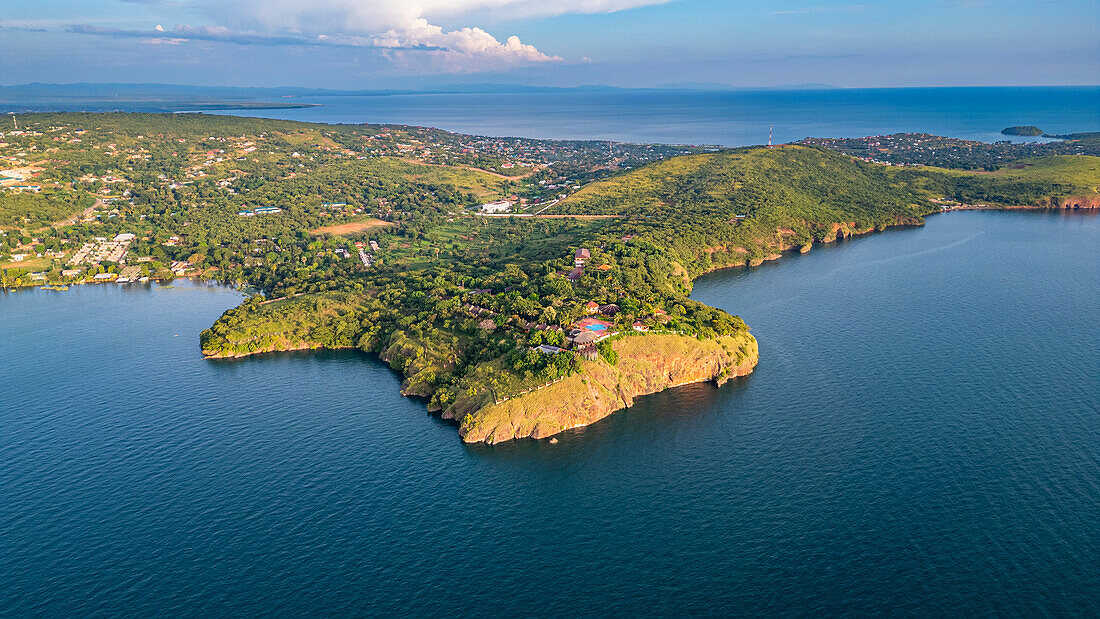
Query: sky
point(380, 44)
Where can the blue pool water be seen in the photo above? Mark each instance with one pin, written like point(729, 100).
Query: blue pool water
point(920, 437)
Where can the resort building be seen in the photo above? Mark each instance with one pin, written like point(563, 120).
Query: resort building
point(500, 206)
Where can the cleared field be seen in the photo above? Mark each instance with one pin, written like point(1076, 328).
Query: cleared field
point(353, 227)
point(478, 182)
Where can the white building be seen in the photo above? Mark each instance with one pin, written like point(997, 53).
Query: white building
point(500, 206)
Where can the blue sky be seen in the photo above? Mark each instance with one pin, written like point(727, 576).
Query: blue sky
point(423, 43)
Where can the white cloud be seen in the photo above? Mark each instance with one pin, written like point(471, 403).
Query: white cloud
point(406, 24)
point(400, 30)
point(462, 50)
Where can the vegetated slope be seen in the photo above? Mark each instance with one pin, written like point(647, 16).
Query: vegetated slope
point(734, 207)
point(955, 153)
point(1031, 181)
point(742, 206)
point(461, 332)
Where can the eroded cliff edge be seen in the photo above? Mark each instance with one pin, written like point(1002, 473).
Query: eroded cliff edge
point(646, 364)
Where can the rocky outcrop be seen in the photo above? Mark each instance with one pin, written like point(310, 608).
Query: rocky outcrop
point(1076, 202)
point(415, 360)
point(647, 364)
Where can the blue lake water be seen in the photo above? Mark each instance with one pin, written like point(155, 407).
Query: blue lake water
point(921, 437)
point(724, 118)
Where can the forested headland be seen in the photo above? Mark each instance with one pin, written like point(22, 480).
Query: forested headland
point(500, 320)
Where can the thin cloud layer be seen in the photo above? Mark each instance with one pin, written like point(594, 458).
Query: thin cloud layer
point(405, 24)
point(400, 30)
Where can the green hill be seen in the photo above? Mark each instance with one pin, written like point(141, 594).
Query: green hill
point(726, 208)
point(1025, 130)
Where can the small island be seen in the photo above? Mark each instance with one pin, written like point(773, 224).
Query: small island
point(1023, 130)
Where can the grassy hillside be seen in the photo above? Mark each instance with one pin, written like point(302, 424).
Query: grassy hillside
point(1065, 175)
point(739, 206)
point(769, 185)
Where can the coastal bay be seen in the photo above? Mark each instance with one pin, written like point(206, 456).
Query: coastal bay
point(898, 370)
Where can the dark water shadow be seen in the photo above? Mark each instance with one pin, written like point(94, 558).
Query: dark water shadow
point(371, 359)
point(655, 417)
point(787, 257)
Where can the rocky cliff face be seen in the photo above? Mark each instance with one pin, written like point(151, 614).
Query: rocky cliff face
point(413, 359)
point(1077, 202)
point(647, 364)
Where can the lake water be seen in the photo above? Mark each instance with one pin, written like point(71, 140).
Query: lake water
point(921, 437)
point(725, 118)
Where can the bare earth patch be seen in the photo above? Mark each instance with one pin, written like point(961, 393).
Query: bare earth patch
point(352, 227)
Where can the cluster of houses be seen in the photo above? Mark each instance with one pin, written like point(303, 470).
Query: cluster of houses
point(581, 257)
point(15, 180)
point(583, 335)
point(367, 258)
point(586, 333)
point(102, 250)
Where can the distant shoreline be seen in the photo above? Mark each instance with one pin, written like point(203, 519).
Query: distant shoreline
point(161, 107)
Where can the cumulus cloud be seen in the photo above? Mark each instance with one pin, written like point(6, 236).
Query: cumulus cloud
point(422, 47)
point(465, 49)
point(379, 15)
point(396, 26)
point(401, 30)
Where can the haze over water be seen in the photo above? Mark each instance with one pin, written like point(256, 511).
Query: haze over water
point(723, 118)
point(919, 437)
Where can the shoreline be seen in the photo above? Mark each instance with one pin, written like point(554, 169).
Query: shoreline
point(781, 250)
point(163, 281)
point(615, 397)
